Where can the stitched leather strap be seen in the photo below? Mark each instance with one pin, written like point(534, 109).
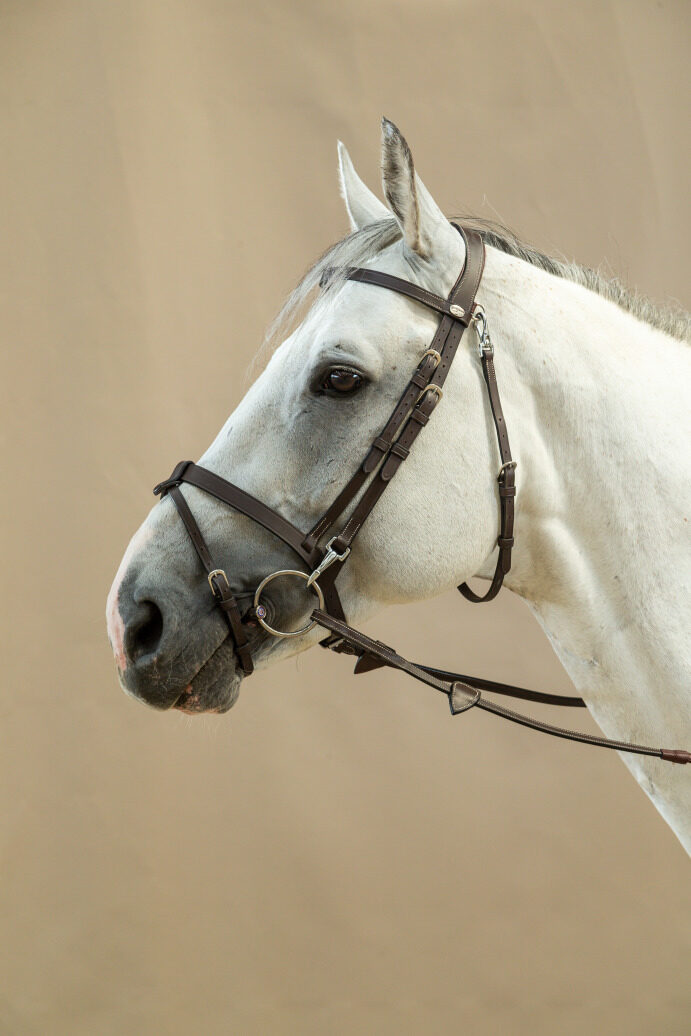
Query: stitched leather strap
point(431, 369)
point(377, 451)
point(456, 312)
point(413, 291)
point(445, 343)
point(366, 663)
point(507, 489)
point(239, 500)
point(218, 582)
point(464, 694)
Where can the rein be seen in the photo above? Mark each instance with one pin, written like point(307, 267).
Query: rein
point(386, 454)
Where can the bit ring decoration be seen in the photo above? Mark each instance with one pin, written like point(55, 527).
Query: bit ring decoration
point(314, 586)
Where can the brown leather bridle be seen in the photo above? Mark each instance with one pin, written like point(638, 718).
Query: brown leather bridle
point(386, 454)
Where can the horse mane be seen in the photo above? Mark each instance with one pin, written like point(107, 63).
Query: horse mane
point(669, 317)
point(364, 244)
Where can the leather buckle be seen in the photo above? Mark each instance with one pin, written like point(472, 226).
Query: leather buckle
point(214, 575)
point(430, 388)
point(435, 354)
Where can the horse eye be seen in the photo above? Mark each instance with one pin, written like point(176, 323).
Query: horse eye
point(342, 381)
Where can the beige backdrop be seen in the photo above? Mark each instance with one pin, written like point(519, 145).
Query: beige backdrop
point(335, 855)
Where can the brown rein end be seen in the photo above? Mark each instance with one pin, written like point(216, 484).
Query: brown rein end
point(675, 755)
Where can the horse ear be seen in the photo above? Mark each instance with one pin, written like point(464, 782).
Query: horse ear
point(363, 206)
point(424, 226)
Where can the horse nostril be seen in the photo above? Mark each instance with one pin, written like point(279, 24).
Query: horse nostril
point(143, 633)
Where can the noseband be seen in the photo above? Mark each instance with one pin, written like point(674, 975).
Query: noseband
point(323, 563)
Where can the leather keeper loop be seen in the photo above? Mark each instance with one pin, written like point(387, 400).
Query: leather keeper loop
point(340, 546)
point(174, 480)
point(377, 450)
point(505, 490)
point(399, 450)
point(419, 416)
point(505, 542)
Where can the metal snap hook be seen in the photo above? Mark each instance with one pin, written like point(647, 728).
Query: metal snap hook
point(479, 324)
point(330, 556)
point(259, 608)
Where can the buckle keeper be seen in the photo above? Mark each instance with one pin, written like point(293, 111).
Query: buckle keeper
point(173, 480)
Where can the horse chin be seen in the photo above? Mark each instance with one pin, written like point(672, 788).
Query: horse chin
point(216, 686)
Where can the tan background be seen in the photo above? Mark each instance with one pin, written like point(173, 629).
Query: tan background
point(336, 855)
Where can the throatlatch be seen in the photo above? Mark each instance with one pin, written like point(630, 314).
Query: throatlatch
point(388, 451)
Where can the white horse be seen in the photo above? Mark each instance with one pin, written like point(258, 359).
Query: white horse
point(594, 385)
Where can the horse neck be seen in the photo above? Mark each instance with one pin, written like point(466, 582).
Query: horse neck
point(594, 413)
